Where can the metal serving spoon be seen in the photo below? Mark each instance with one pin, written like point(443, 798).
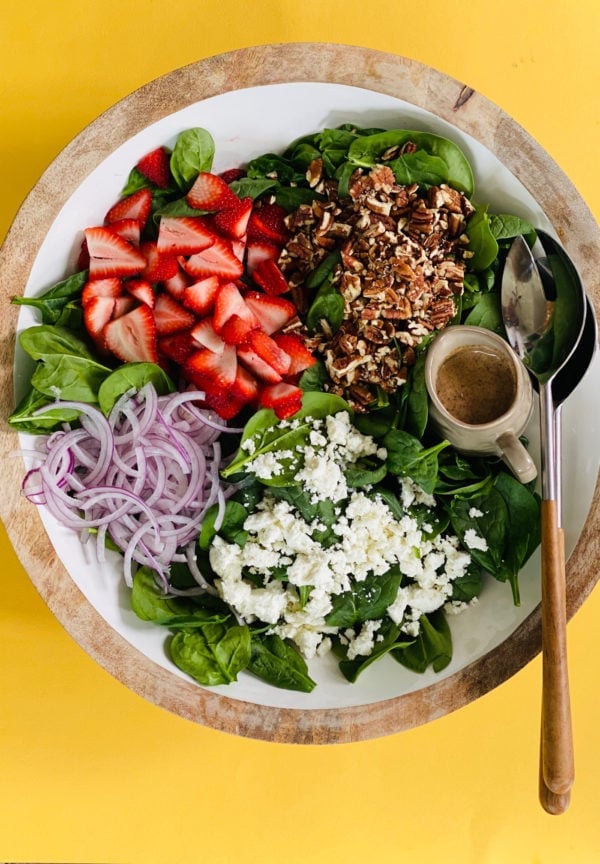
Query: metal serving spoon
point(544, 333)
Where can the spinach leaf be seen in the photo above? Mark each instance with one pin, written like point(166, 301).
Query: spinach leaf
point(212, 653)
point(52, 303)
point(269, 434)
point(390, 643)
point(487, 515)
point(419, 167)
point(432, 647)
point(177, 207)
point(150, 603)
point(314, 377)
point(193, 152)
point(367, 600)
point(416, 403)
point(505, 226)
point(279, 663)
point(367, 151)
point(273, 166)
point(487, 312)
point(232, 526)
point(323, 271)
point(252, 187)
point(132, 376)
point(407, 457)
point(469, 585)
point(44, 340)
point(24, 419)
point(328, 305)
point(482, 242)
point(68, 377)
point(524, 527)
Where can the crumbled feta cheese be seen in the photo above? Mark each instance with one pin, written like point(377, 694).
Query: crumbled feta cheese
point(474, 541)
point(364, 641)
point(474, 513)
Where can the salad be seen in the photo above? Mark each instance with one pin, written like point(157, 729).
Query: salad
point(228, 394)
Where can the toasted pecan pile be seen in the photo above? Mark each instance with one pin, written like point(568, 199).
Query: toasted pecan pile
point(402, 263)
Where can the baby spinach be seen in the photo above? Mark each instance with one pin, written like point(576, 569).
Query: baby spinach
point(269, 434)
point(407, 457)
point(367, 151)
point(68, 377)
point(328, 305)
point(132, 376)
point(432, 647)
point(55, 303)
point(482, 242)
point(150, 603)
point(389, 641)
point(367, 600)
point(212, 653)
point(279, 663)
point(193, 152)
point(43, 340)
point(25, 419)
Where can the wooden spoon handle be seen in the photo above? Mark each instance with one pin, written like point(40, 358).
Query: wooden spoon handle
point(557, 736)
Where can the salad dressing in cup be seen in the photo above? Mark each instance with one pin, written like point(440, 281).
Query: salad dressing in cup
point(480, 396)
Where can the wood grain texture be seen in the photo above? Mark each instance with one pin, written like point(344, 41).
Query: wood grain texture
point(396, 76)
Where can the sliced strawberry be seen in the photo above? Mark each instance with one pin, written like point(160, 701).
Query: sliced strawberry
point(218, 260)
point(96, 314)
point(128, 229)
point(225, 404)
point(123, 305)
point(211, 372)
point(293, 345)
point(257, 366)
point(158, 268)
point(110, 255)
point(268, 223)
point(238, 247)
point(235, 330)
point(176, 285)
point(177, 346)
point(155, 167)
point(245, 386)
point(232, 174)
point(83, 259)
point(132, 337)
point(170, 316)
point(138, 206)
point(210, 192)
point(273, 313)
point(229, 302)
point(183, 235)
point(269, 351)
point(268, 275)
point(233, 220)
point(260, 250)
point(200, 296)
point(142, 290)
point(204, 334)
point(112, 286)
point(284, 399)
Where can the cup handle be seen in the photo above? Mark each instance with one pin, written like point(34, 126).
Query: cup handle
point(516, 457)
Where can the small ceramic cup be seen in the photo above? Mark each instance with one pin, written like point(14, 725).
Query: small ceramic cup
point(480, 395)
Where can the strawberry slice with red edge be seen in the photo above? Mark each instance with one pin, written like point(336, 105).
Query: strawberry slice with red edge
point(128, 229)
point(245, 387)
point(228, 302)
point(200, 296)
point(142, 290)
point(269, 351)
point(177, 346)
point(158, 267)
point(110, 255)
point(257, 366)
point(260, 250)
point(232, 174)
point(204, 334)
point(218, 260)
point(293, 345)
point(170, 316)
point(283, 398)
point(268, 275)
point(224, 403)
point(123, 305)
point(210, 371)
point(176, 285)
point(132, 337)
point(183, 235)
point(210, 192)
point(273, 313)
point(235, 330)
point(155, 167)
point(137, 206)
point(112, 286)
point(268, 223)
point(96, 315)
point(233, 220)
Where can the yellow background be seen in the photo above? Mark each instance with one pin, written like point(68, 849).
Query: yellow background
point(90, 772)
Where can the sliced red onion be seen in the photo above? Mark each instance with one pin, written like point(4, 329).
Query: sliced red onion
point(145, 477)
